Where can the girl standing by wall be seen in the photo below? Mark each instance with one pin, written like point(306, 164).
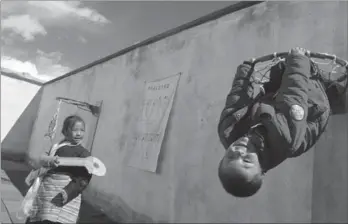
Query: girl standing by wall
point(58, 198)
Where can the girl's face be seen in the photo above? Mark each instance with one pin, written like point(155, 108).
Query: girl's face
point(76, 133)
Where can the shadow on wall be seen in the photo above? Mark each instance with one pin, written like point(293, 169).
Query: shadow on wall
point(16, 172)
point(16, 143)
point(90, 214)
point(122, 212)
point(338, 103)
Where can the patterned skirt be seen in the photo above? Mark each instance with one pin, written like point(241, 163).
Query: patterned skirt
point(43, 209)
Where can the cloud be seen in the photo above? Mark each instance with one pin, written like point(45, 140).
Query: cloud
point(30, 19)
point(9, 7)
point(49, 64)
point(24, 25)
point(82, 39)
point(70, 8)
point(14, 51)
point(19, 66)
point(5, 41)
point(45, 67)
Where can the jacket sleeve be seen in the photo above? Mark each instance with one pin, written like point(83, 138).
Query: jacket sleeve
point(285, 117)
point(236, 106)
point(80, 178)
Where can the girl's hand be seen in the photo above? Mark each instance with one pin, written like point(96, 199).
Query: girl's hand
point(49, 162)
point(60, 199)
point(55, 162)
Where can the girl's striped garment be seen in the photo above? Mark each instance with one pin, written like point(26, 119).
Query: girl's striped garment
point(68, 181)
point(44, 209)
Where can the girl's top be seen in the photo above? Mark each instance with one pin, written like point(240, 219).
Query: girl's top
point(79, 175)
point(68, 182)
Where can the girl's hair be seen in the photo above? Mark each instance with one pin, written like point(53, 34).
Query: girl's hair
point(69, 122)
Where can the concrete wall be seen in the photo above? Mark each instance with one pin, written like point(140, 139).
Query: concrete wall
point(186, 187)
point(19, 105)
point(330, 184)
point(330, 174)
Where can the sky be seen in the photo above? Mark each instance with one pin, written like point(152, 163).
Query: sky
point(50, 38)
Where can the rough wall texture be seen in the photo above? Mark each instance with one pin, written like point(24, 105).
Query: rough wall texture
point(186, 187)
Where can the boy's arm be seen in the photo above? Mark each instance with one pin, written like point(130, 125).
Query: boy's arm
point(236, 106)
point(285, 118)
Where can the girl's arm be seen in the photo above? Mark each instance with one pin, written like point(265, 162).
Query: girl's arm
point(80, 180)
point(80, 177)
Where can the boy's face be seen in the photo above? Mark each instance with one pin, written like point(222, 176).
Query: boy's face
point(241, 157)
point(76, 133)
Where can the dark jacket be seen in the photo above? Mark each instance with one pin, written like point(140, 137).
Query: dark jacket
point(79, 175)
point(294, 114)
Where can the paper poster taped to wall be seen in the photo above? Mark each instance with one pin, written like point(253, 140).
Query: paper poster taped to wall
point(158, 100)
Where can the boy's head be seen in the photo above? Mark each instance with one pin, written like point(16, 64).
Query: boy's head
point(240, 171)
point(73, 129)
